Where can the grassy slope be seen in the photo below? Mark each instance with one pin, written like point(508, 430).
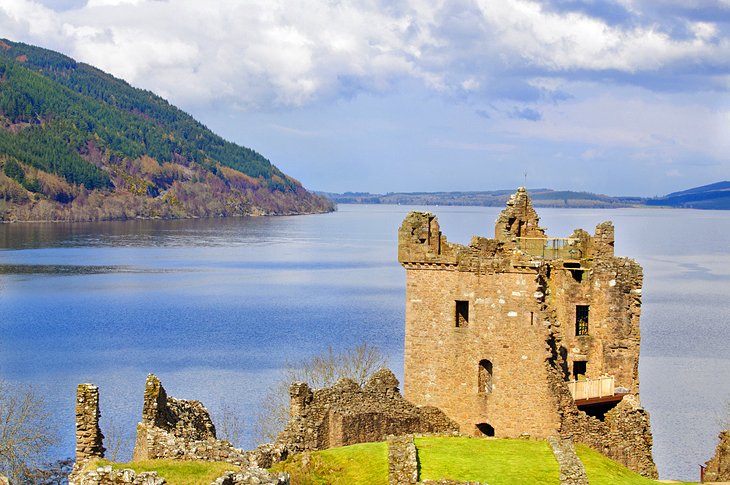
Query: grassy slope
point(366, 463)
point(602, 471)
point(497, 462)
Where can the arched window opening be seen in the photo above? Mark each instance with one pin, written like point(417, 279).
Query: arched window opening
point(485, 376)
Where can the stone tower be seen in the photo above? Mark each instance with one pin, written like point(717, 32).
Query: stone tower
point(526, 334)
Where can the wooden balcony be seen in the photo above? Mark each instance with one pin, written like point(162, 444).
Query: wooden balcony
point(589, 392)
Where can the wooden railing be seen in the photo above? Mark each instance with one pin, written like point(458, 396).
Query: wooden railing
point(550, 247)
point(592, 388)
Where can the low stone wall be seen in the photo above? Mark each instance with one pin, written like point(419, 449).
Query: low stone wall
point(572, 471)
point(252, 476)
point(402, 460)
point(448, 482)
point(107, 476)
point(718, 467)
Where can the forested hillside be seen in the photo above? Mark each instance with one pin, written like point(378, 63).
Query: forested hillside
point(79, 144)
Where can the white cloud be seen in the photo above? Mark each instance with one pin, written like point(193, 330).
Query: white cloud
point(284, 55)
point(279, 53)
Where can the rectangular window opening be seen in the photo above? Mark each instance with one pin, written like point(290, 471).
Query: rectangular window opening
point(462, 313)
point(581, 319)
point(579, 369)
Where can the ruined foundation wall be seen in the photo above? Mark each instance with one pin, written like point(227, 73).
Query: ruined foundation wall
point(718, 467)
point(347, 413)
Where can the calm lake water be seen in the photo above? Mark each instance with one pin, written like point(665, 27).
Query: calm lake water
point(216, 308)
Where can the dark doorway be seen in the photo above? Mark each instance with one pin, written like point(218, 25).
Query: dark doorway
point(579, 369)
point(486, 429)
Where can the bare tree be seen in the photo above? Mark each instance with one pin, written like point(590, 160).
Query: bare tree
point(26, 431)
point(118, 441)
point(358, 364)
point(228, 423)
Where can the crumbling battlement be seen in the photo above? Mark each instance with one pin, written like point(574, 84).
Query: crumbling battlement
point(178, 429)
point(495, 328)
point(347, 413)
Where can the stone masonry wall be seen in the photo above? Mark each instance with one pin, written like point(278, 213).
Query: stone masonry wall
point(107, 476)
point(718, 467)
point(179, 429)
point(88, 434)
point(624, 434)
point(347, 413)
point(402, 460)
point(572, 471)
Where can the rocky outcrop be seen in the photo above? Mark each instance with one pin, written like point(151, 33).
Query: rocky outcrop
point(179, 429)
point(717, 469)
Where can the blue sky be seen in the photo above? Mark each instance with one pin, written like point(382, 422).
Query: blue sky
point(623, 97)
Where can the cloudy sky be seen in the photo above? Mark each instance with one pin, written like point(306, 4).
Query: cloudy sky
point(624, 97)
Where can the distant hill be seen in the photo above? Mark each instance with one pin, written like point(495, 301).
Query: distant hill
point(496, 198)
point(79, 144)
point(712, 196)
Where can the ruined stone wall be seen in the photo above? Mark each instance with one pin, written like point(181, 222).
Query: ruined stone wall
point(88, 434)
point(402, 460)
point(624, 434)
point(572, 471)
point(718, 467)
point(105, 475)
point(347, 413)
point(612, 290)
point(178, 429)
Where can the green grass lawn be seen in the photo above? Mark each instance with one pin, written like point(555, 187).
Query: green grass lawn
point(497, 462)
point(175, 472)
point(362, 464)
point(492, 461)
point(602, 471)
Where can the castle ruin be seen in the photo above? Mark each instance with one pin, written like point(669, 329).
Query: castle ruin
point(524, 334)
